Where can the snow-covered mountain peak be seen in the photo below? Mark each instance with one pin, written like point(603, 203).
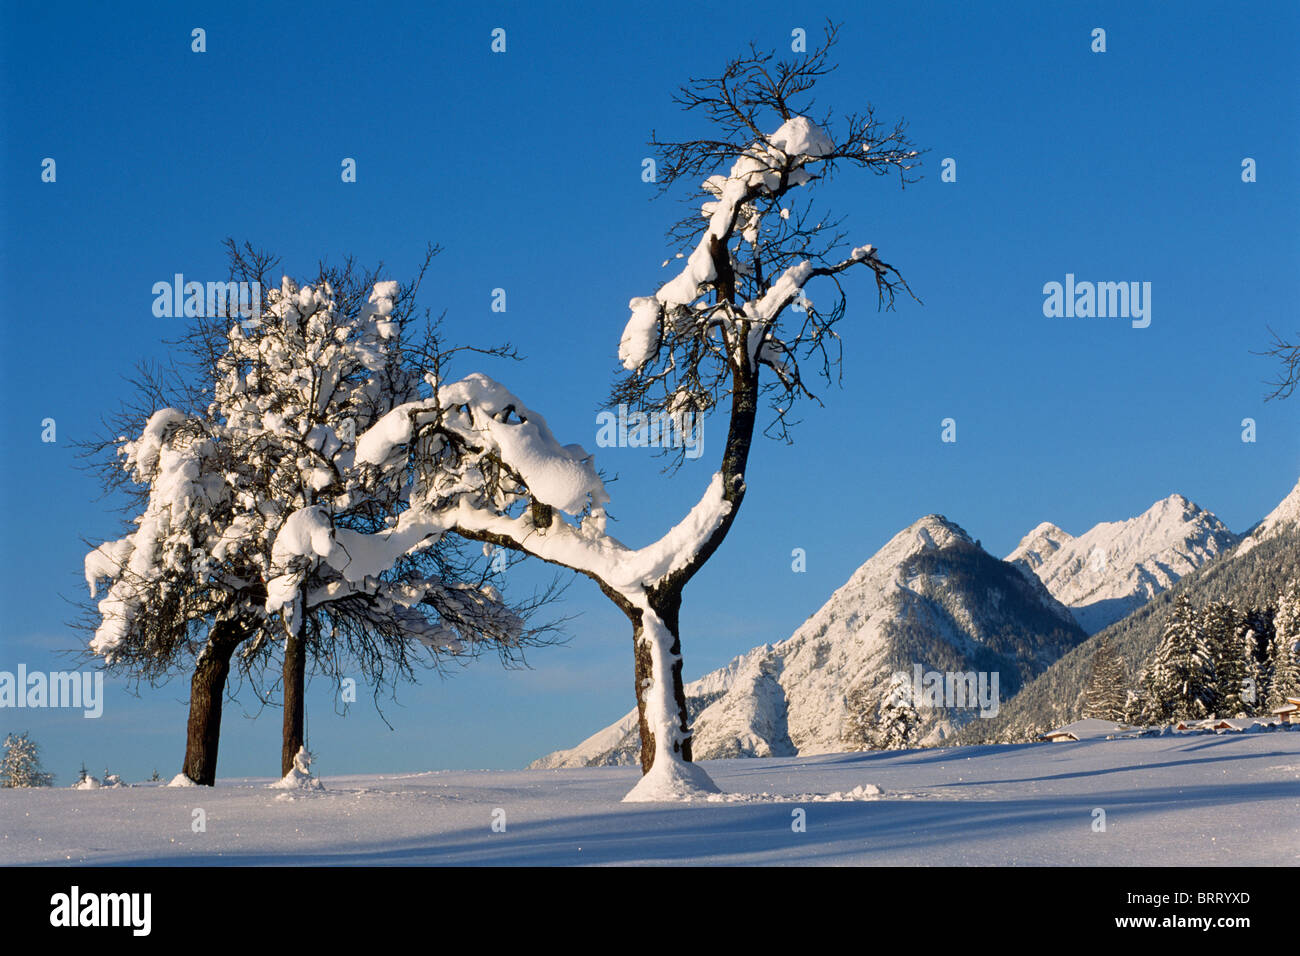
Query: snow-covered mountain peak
point(931, 595)
point(931, 533)
point(1175, 506)
point(1046, 529)
point(1116, 566)
point(1285, 515)
point(1039, 545)
point(880, 574)
point(936, 531)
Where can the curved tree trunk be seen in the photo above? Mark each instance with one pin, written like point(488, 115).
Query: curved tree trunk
point(207, 688)
point(666, 599)
point(668, 607)
point(295, 677)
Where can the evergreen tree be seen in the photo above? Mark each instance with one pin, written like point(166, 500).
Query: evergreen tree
point(1259, 639)
point(859, 719)
point(1224, 632)
point(1106, 696)
point(1133, 705)
point(897, 724)
point(1283, 670)
point(1179, 683)
point(1144, 707)
point(21, 764)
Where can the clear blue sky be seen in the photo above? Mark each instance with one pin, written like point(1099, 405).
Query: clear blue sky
point(526, 167)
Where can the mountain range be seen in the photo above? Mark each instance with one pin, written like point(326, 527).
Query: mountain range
point(1251, 574)
point(933, 597)
point(1115, 567)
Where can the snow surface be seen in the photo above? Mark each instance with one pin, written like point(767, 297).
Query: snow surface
point(1090, 727)
point(670, 780)
point(1172, 800)
point(1117, 566)
point(299, 776)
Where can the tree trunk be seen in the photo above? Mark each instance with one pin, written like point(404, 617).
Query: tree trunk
point(295, 677)
point(668, 607)
point(666, 600)
point(642, 671)
point(207, 688)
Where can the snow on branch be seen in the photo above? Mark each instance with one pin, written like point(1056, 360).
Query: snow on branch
point(752, 249)
point(498, 454)
point(263, 504)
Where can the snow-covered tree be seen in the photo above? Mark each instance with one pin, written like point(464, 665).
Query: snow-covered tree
point(1134, 705)
point(1106, 697)
point(1179, 680)
point(342, 569)
point(736, 324)
point(20, 766)
point(1142, 707)
point(259, 525)
point(1283, 667)
point(1258, 636)
point(733, 326)
point(898, 720)
point(1224, 631)
point(861, 707)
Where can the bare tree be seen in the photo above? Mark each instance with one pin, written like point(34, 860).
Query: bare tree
point(1287, 354)
point(760, 334)
point(732, 328)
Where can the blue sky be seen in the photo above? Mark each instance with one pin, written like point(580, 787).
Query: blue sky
point(525, 166)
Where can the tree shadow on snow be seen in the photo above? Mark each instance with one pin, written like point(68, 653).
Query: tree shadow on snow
point(1044, 829)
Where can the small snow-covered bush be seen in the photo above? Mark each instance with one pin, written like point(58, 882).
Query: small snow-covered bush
point(21, 764)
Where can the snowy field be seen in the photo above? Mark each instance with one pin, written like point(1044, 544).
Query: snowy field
point(1171, 800)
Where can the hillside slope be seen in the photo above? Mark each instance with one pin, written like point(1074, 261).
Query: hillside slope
point(1251, 577)
point(931, 596)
